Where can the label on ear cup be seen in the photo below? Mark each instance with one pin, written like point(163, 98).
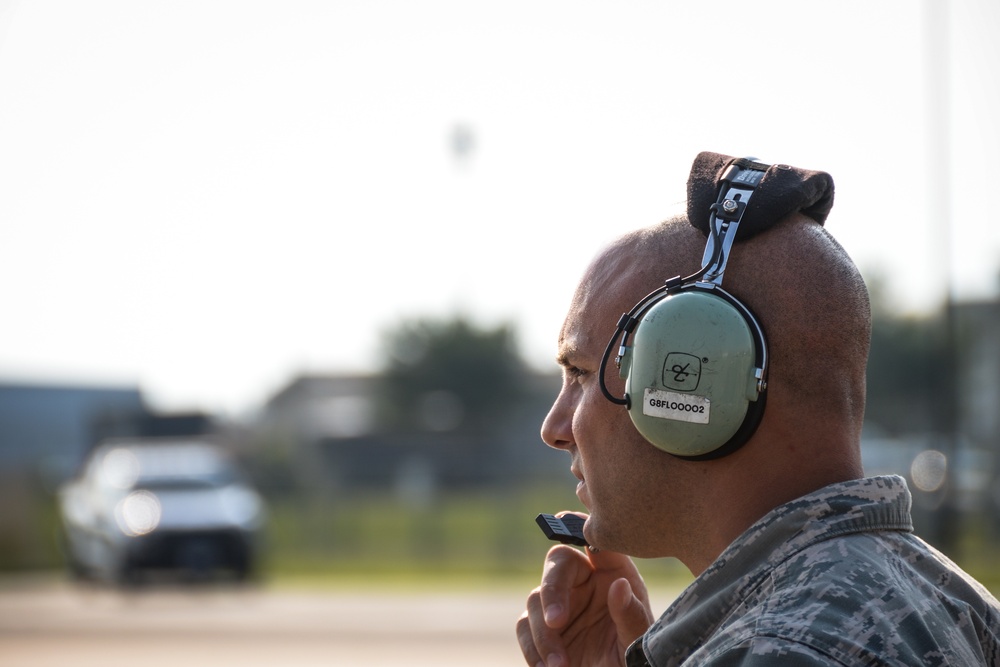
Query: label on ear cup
point(678, 407)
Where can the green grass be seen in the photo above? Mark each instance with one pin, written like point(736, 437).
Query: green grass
point(474, 531)
point(475, 538)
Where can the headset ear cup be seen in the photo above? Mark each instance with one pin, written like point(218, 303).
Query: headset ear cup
point(694, 374)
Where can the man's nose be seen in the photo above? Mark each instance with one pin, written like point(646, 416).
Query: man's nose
point(557, 429)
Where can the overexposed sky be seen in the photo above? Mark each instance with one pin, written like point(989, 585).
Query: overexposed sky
point(208, 198)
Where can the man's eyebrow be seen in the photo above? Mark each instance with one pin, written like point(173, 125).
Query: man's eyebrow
point(566, 355)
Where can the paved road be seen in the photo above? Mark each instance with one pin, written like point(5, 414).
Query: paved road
point(63, 626)
point(56, 624)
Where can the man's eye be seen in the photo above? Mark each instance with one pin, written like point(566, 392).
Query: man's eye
point(575, 373)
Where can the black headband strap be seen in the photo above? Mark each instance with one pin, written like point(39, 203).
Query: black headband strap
point(781, 191)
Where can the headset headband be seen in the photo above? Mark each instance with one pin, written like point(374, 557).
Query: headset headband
point(736, 187)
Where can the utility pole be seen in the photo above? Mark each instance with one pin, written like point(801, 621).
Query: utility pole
point(937, 44)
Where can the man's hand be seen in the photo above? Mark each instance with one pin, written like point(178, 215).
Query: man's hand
point(588, 609)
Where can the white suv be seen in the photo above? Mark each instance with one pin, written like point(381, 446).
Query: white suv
point(179, 506)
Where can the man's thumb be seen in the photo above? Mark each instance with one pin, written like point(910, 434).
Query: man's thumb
point(629, 614)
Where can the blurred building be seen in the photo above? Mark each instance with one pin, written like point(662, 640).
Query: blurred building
point(48, 429)
point(330, 428)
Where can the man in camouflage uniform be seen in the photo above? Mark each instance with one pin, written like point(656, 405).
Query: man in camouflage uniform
point(799, 559)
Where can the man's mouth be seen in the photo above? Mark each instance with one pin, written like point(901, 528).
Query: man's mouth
point(581, 488)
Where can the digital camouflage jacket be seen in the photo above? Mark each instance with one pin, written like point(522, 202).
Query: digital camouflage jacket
point(836, 577)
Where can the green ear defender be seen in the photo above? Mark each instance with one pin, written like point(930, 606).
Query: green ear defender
point(696, 370)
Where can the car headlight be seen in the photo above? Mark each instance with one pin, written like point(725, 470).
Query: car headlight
point(242, 506)
point(138, 513)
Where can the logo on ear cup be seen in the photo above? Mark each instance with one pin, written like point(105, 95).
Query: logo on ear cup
point(681, 371)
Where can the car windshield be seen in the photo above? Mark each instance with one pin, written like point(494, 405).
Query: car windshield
point(185, 483)
point(162, 467)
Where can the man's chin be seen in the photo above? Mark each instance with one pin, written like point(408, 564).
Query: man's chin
point(603, 537)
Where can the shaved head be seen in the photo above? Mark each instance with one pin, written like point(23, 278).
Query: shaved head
point(799, 282)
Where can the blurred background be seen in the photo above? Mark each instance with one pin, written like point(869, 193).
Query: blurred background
point(331, 244)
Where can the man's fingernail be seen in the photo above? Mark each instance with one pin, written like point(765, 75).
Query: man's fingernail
point(554, 660)
point(551, 612)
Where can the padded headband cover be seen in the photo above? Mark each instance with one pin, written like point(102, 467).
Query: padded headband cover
point(783, 191)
